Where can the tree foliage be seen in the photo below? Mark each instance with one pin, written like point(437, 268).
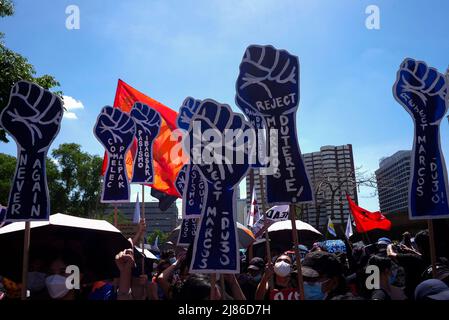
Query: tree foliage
point(163, 236)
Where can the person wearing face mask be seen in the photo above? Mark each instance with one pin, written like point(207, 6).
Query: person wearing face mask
point(36, 278)
point(323, 276)
point(56, 281)
point(250, 280)
point(386, 277)
point(284, 287)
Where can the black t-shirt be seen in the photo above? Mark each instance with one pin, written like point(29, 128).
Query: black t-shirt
point(414, 265)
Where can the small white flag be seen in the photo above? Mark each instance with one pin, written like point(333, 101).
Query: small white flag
point(348, 232)
point(155, 244)
point(254, 214)
point(136, 218)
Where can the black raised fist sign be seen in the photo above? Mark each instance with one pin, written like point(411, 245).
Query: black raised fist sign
point(115, 130)
point(194, 187)
point(33, 118)
point(268, 86)
point(219, 146)
point(268, 82)
point(424, 94)
point(148, 123)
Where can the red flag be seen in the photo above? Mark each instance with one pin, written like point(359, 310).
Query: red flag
point(165, 170)
point(365, 220)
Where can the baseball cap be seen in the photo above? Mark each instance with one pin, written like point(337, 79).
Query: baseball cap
point(432, 289)
point(321, 263)
point(256, 264)
point(384, 241)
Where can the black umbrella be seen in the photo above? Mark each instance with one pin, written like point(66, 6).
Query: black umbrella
point(90, 244)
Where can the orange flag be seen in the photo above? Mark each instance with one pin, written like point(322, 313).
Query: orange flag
point(165, 168)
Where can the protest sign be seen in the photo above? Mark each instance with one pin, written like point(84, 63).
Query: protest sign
point(181, 180)
point(33, 118)
point(193, 193)
point(215, 247)
point(268, 85)
point(187, 232)
point(423, 92)
point(148, 123)
point(188, 226)
point(274, 214)
point(115, 130)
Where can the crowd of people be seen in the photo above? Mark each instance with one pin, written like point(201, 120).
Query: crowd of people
point(402, 270)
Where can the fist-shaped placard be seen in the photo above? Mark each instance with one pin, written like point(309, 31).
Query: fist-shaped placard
point(194, 191)
point(268, 86)
point(148, 123)
point(218, 141)
point(423, 92)
point(115, 130)
point(33, 118)
point(187, 110)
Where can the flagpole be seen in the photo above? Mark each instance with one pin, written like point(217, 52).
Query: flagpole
point(433, 256)
point(212, 285)
point(296, 249)
point(222, 284)
point(251, 187)
point(26, 250)
point(142, 213)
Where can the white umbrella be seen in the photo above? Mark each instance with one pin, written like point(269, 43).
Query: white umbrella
point(281, 233)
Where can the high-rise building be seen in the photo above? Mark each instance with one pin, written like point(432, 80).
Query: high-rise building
point(332, 174)
point(164, 221)
point(393, 177)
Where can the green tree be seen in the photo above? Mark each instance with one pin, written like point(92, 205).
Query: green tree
point(163, 236)
point(7, 168)
point(80, 179)
point(15, 67)
point(6, 8)
point(121, 218)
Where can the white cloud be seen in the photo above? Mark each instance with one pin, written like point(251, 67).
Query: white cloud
point(71, 104)
point(70, 115)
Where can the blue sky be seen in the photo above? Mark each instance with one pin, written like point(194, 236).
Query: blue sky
point(173, 49)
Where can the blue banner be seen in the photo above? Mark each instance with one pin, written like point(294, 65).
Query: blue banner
point(181, 180)
point(424, 94)
point(268, 86)
point(33, 118)
point(193, 196)
point(187, 232)
point(148, 123)
point(216, 247)
point(193, 193)
point(115, 130)
point(188, 227)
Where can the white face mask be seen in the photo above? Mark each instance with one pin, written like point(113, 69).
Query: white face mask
point(56, 286)
point(282, 268)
